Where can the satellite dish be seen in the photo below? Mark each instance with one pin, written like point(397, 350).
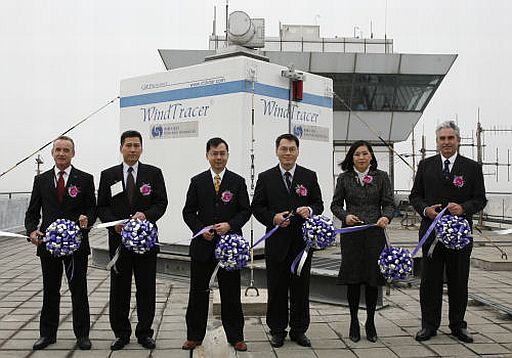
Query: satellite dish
point(240, 28)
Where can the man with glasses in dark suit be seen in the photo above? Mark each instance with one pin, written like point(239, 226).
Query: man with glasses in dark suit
point(286, 195)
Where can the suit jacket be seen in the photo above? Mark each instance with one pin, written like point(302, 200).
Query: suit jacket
point(431, 187)
point(117, 207)
point(272, 197)
point(368, 202)
point(44, 201)
point(204, 207)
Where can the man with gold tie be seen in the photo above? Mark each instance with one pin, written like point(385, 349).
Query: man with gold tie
point(216, 197)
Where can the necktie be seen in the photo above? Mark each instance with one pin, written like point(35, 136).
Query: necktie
point(60, 187)
point(130, 185)
point(216, 183)
point(288, 180)
point(446, 169)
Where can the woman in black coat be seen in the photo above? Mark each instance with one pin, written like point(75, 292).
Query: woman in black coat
point(363, 195)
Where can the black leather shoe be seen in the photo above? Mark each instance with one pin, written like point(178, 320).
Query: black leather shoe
point(147, 342)
point(119, 343)
point(277, 340)
point(43, 342)
point(354, 333)
point(371, 332)
point(84, 343)
point(425, 334)
point(463, 335)
point(301, 339)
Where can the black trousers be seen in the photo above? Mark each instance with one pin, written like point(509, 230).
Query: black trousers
point(280, 283)
point(457, 263)
point(143, 267)
point(198, 300)
point(52, 269)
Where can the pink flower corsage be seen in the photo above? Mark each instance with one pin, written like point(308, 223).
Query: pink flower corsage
point(367, 179)
point(145, 189)
point(458, 181)
point(301, 190)
point(73, 191)
point(226, 196)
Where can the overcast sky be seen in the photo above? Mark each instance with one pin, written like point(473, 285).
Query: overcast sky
point(62, 59)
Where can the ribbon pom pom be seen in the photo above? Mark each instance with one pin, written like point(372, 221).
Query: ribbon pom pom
point(395, 263)
point(232, 251)
point(62, 238)
point(139, 236)
point(453, 231)
point(319, 232)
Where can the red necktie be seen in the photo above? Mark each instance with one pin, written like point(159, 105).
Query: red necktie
point(60, 187)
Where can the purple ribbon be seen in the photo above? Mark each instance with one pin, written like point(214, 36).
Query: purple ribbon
point(299, 261)
point(429, 231)
point(202, 231)
point(346, 230)
point(266, 236)
point(270, 233)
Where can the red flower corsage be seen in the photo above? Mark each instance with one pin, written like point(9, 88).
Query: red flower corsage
point(367, 179)
point(458, 181)
point(301, 190)
point(73, 191)
point(226, 196)
point(145, 189)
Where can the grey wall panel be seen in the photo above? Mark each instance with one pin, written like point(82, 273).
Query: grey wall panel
point(377, 63)
point(426, 64)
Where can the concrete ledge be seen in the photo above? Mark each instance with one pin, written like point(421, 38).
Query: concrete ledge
point(491, 264)
point(252, 305)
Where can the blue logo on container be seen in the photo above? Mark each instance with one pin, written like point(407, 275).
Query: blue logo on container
point(298, 131)
point(157, 131)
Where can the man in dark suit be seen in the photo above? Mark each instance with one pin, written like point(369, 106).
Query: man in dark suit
point(446, 180)
point(216, 197)
point(280, 190)
point(131, 190)
point(62, 192)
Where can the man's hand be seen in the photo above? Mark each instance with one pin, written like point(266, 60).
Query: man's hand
point(303, 211)
point(431, 211)
point(383, 222)
point(221, 228)
point(279, 217)
point(139, 215)
point(208, 235)
point(455, 209)
point(35, 237)
point(352, 220)
point(83, 221)
point(118, 228)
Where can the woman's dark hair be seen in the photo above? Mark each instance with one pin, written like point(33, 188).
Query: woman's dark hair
point(348, 162)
